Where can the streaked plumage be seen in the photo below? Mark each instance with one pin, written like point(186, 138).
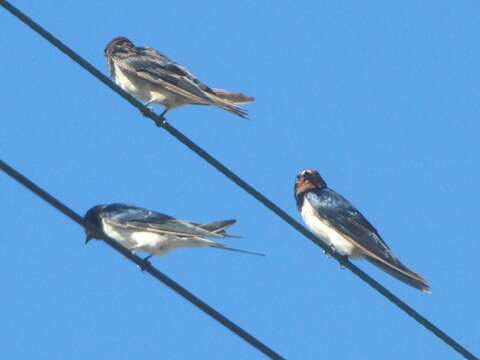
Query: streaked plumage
point(342, 227)
point(140, 229)
point(152, 77)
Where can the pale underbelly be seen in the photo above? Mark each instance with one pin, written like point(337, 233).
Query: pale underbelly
point(147, 91)
point(327, 233)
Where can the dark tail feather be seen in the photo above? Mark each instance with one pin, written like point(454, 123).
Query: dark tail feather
point(223, 247)
point(218, 227)
point(226, 105)
point(233, 97)
point(221, 99)
point(402, 273)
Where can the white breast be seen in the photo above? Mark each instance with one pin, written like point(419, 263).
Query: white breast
point(325, 232)
point(158, 244)
point(122, 236)
point(146, 90)
point(151, 242)
point(132, 84)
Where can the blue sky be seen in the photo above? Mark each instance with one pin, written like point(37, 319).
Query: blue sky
point(381, 98)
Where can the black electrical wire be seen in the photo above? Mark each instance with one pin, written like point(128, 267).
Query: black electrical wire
point(144, 265)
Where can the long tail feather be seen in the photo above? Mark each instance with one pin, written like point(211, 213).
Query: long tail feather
point(233, 97)
point(223, 247)
point(225, 105)
point(220, 98)
point(402, 273)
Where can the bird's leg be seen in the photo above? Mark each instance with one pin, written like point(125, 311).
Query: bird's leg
point(327, 254)
point(160, 119)
point(147, 111)
point(145, 261)
point(148, 257)
point(164, 112)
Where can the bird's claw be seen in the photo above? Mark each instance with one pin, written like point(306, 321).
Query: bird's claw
point(343, 262)
point(145, 263)
point(147, 111)
point(159, 120)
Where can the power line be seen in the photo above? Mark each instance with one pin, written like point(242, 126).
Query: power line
point(160, 121)
point(144, 265)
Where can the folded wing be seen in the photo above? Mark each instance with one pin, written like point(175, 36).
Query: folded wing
point(153, 66)
point(135, 218)
point(342, 216)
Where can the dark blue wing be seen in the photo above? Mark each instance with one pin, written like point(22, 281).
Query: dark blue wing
point(123, 213)
point(136, 218)
point(343, 216)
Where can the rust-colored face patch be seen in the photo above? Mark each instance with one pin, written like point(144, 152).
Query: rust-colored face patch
point(304, 184)
point(308, 179)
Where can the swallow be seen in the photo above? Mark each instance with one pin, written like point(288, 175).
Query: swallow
point(152, 77)
point(344, 229)
point(140, 229)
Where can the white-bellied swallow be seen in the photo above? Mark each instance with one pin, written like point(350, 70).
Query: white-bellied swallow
point(154, 78)
point(140, 229)
point(344, 229)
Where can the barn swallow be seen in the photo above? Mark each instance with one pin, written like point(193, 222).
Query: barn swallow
point(152, 77)
point(139, 229)
point(344, 229)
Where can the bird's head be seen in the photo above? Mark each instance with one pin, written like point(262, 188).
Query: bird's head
point(117, 45)
point(308, 179)
point(93, 216)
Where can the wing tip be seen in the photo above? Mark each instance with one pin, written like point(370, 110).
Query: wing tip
point(218, 227)
point(426, 290)
point(423, 286)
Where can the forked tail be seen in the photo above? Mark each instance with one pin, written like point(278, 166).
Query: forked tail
point(223, 247)
point(229, 101)
point(402, 273)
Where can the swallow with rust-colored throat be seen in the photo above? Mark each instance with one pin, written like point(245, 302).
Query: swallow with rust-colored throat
point(344, 229)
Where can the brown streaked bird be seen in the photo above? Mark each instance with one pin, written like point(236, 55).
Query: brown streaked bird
point(344, 229)
point(152, 77)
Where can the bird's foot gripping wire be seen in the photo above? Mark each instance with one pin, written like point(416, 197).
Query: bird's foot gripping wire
point(327, 254)
point(159, 120)
point(145, 263)
point(343, 261)
point(147, 111)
